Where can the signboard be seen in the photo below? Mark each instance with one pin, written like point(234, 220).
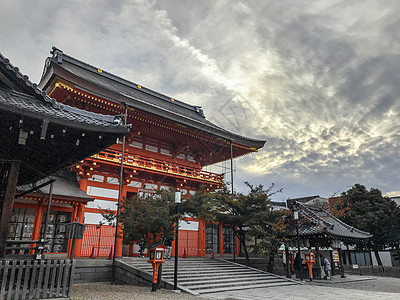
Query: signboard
point(335, 255)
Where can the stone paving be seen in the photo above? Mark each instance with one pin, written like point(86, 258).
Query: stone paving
point(353, 287)
point(304, 292)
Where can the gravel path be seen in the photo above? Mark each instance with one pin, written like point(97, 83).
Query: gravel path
point(106, 291)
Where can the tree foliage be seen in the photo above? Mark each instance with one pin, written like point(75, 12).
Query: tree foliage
point(252, 216)
point(146, 219)
point(369, 211)
point(198, 206)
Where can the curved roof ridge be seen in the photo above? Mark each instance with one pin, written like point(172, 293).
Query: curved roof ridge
point(347, 226)
point(175, 110)
point(16, 83)
point(314, 215)
point(23, 80)
point(59, 55)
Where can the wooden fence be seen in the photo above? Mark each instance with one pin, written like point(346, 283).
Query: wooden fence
point(36, 279)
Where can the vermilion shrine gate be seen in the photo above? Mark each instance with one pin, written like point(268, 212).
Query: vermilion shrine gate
point(169, 144)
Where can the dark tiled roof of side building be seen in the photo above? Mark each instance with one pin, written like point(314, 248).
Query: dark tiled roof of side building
point(19, 94)
point(65, 186)
point(140, 97)
point(320, 222)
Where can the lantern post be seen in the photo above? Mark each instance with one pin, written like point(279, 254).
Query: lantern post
point(309, 259)
point(156, 258)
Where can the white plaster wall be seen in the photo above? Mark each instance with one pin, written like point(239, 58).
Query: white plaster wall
point(102, 192)
point(104, 204)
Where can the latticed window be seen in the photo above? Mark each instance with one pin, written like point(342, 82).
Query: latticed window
point(227, 234)
point(212, 238)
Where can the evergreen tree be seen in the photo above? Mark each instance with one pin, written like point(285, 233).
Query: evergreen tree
point(370, 211)
point(253, 217)
point(145, 220)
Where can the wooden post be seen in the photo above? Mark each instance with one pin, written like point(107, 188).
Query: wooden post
point(341, 263)
point(80, 216)
point(221, 239)
point(37, 224)
point(201, 239)
point(49, 199)
point(287, 269)
point(7, 204)
point(332, 263)
point(318, 260)
point(349, 255)
point(118, 245)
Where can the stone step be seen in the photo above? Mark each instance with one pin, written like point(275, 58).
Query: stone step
point(190, 267)
point(207, 272)
point(185, 265)
point(221, 276)
point(232, 284)
point(191, 270)
point(211, 275)
point(228, 281)
point(206, 276)
point(242, 287)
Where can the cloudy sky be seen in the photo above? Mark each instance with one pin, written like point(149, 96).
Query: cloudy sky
point(319, 80)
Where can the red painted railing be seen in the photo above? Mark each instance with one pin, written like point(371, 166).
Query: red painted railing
point(152, 164)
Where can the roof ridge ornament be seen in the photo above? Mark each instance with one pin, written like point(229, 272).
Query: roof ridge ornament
point(57, 54)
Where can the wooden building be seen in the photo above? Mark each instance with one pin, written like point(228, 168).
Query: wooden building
point(316, 227)
point(169, 144)
point(39, 137)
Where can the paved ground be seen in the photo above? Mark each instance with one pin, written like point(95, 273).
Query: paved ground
point(106, 291)
point(350, 288)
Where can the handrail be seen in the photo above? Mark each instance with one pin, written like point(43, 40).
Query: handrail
point(158, 165)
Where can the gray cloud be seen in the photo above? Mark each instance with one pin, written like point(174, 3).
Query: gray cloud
point(318, 80)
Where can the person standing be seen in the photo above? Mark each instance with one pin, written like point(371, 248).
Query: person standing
point(327, 268)
point(168, 247)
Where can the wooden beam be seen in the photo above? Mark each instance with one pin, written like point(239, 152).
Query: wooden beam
point(8, 201)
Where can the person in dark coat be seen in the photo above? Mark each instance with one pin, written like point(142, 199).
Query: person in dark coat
point(297, 262)
point(168, 247)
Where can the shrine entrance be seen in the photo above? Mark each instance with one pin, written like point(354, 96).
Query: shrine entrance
point(227, 236)
point(219, 238)
point(212, 238)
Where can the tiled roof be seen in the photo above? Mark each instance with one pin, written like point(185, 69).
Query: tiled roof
point(65, 186)
point(43, 134)
point(142, 98)
point(18, 94)
point(320, 222)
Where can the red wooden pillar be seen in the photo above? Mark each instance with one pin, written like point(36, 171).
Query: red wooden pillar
point(37, 224)
point(221, 240)
point(79, 215)
point(118, 249)
point(69, 247)
point(83, 184)
point(201, 239)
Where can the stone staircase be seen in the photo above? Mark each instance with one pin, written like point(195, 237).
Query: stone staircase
point(202, 275)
